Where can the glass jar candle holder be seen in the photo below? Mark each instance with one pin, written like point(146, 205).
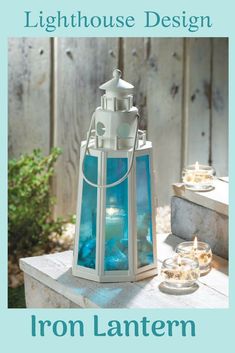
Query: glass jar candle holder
point(179, 272)
point(198, 177)
point(196, 250)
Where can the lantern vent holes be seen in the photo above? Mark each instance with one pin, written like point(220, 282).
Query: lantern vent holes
point(100, 129)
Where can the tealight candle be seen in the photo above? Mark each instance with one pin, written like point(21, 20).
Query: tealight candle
point(199, 250)
point(114, 222)
point(198, 177)
point(179, 272)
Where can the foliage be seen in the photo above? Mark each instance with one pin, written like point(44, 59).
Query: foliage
point(16, 297)
point(30, 202)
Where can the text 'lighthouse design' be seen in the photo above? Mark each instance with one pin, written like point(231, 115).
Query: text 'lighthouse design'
point(115, 233)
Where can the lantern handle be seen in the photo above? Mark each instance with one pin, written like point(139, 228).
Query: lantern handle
point(131, 161)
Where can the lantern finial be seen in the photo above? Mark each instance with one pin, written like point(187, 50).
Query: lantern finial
point(116, 85)
point(117, 73)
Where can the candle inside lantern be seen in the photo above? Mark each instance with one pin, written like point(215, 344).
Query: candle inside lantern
point(116, 245)
point(198, 177)
point(114, 222)
point(199, 250)
point(179, 272)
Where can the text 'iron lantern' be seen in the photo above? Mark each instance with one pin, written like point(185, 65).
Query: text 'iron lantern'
point(115, 233)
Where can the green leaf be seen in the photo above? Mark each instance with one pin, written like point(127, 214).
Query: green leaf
point(30, 202)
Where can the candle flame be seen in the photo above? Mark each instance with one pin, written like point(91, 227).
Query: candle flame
point(197, 166)
point(111, 211)
point(195, 245)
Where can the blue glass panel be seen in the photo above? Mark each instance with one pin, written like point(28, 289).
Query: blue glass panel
point(87, 236)
point(144, 212)
point(116, 220)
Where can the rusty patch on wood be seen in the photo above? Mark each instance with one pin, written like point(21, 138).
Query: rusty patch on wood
point(69, 54)
point(41, 80)
point(207, 92)
point(153, 63)
point(147, 43)
point(142, 124)
point(19, 89)
point(217, 100)
point(142, 103)
point(194, 95)
point(176, 56)
point(174, 90)
point(111, 53)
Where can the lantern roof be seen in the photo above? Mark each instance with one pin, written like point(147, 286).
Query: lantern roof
point(117, 85)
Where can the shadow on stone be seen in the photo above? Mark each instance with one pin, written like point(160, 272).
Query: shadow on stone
point(173, 241)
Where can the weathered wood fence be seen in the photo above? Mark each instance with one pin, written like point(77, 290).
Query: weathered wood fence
point(181, 91)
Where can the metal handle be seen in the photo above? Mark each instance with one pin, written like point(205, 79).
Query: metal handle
point(131, 161)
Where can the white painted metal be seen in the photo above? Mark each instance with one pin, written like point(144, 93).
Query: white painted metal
point(116, 113)
point(134, 273)
point(105, 142)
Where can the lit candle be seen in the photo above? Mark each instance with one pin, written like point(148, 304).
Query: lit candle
point(116, 257)
point(199, 250)
point(198, 177)
point(114, 226)
point(180, 272)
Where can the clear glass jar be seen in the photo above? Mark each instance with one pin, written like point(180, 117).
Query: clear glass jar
point(198, 177)
point(179, 272)
point(202, 252)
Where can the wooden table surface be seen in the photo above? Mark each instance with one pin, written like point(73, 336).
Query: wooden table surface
point(54, 271)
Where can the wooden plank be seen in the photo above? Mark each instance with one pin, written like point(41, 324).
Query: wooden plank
point(135, 67)
point(154, 65)
point(164, 102)
point(216, 199)
point(197, 100)
point(82, 64)
point(219, 130)
point(54, 271)
point(29, 95)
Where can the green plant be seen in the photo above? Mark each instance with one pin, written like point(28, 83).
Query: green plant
point(30, 202)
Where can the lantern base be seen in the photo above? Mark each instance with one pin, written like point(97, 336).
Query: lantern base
point(114, 276)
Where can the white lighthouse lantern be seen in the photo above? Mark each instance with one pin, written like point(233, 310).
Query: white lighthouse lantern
point(115, 237)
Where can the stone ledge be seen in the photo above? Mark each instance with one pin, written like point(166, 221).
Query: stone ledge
point(216, 199)
point(52, 276)
point(189, 218)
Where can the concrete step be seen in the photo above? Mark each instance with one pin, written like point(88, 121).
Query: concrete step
point(204, 214)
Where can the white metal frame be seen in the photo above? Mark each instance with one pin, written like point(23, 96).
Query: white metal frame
point(133, 273)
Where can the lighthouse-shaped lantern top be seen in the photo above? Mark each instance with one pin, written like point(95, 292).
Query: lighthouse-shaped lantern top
point(116, 118)
point(115, 231)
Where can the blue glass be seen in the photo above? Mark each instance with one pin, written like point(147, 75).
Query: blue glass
point(87, 236)
point(144, 212)
point(116, 218)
